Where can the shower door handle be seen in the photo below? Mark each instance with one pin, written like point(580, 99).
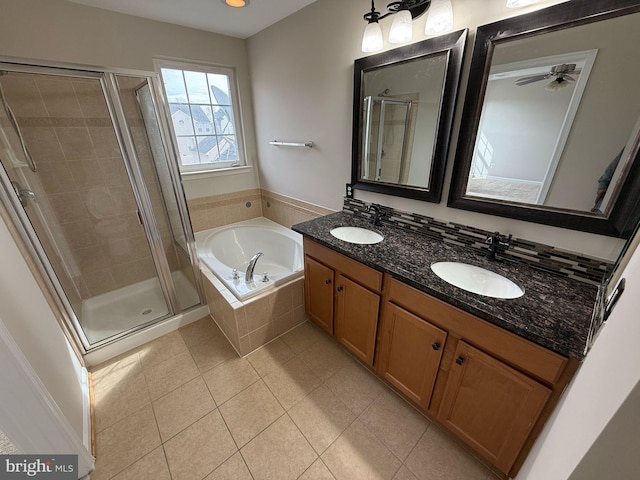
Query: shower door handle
point(140, 218)
point(23, 194)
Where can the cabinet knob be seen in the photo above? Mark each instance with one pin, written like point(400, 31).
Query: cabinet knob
point(339, 288)
point(327, 281)
point(436, 345)
point(459, 360)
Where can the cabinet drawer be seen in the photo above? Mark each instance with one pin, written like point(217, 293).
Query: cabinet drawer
point(517, 351)
point(365, 276)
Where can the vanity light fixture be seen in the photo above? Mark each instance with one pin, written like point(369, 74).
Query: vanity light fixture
point(520, 3)
point(440, 18)
point(401, 29)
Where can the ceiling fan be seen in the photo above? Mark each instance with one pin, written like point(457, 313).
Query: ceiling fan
point(560, 74)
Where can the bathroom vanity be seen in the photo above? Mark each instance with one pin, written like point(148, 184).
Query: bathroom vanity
point(489, 370)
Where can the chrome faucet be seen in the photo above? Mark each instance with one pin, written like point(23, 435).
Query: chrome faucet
point(248, 276)
point(496, 240)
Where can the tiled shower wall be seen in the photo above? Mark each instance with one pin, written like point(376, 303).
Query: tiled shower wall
point(82, 189)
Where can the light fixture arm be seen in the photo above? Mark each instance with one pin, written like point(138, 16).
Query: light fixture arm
point(415, 7)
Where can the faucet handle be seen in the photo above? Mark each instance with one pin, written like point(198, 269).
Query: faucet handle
point(265, 277)
point(505, 242)
point(234, 274)
point(493, 238)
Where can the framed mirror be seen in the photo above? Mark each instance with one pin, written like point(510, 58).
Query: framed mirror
point(551, 119)
point(403, 107)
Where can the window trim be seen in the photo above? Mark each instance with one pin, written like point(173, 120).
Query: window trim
point(230, 72)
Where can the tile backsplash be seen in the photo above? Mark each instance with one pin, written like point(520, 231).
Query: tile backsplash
point(545, 257)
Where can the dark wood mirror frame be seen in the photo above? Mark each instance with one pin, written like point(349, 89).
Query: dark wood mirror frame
point(451, 44)
point(626, 212)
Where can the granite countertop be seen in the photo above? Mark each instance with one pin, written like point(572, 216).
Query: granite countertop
point(555, 312)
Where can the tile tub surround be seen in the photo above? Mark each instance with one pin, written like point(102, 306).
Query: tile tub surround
point(255, 322)
point(277, 414)
point(545, 257)
point(288, 211)
point(555, 312)
point(218, 210)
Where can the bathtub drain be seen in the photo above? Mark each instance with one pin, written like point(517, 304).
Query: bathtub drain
point(147, 311)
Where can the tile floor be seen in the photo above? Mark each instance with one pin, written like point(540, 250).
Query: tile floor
point(186, 407)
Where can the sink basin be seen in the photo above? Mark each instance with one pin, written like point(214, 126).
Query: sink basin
point(359, 235)
point(477, 280)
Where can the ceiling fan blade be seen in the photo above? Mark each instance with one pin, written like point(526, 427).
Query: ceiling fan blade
point(531, 79)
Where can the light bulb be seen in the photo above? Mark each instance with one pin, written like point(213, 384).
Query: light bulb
point(401, 28)
point(556, 84)
point(235, 3)
point(440, 17)
point(372, 38)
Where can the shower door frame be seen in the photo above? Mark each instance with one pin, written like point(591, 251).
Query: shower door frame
point(65, 313)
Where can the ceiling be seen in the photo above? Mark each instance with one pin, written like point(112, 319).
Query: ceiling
point(210, 15)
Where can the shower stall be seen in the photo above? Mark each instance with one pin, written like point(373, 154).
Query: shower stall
point(90, 183)
point(386, 137)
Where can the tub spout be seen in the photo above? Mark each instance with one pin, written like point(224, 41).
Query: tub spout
point(248, 276)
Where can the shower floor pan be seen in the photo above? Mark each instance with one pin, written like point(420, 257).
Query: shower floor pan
point(114, 312)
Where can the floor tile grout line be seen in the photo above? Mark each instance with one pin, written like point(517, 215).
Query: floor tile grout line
point(164, 452)
point(318, 459)
point(430, 423)
point(188, 426)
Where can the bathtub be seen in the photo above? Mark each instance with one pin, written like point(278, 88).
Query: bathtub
point(230, 247)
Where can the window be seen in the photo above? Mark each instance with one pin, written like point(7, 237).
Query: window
point(202, 105)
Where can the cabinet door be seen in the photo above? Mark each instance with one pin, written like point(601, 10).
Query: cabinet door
point(410, 353)
point(318, 292)
point(491, 406)
point(356, 318)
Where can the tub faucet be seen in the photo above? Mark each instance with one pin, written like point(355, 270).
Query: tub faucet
point(248, 276)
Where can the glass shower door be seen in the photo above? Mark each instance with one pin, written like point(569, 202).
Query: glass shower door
point(140, 112)
point(77, 195)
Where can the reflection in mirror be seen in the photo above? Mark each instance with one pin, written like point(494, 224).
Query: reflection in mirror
point(529, 107)
point(555, 136)
point(392, 153)
point(403, 110)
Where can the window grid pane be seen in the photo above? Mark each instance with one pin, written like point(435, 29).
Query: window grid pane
point(202, 115)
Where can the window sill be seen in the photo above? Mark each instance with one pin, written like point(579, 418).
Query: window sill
point(220, 172)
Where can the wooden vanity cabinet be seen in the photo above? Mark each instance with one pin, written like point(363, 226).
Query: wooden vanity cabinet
point(489, 405)
point(318, 293)
point(489, 387)
point(409, 354)
point(343, 297)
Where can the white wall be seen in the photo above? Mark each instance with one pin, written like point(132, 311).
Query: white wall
point(604, 381)
point(26, 314)
point(302, 80)
point(522, 124)
point(61, 31)
point(615, 453)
